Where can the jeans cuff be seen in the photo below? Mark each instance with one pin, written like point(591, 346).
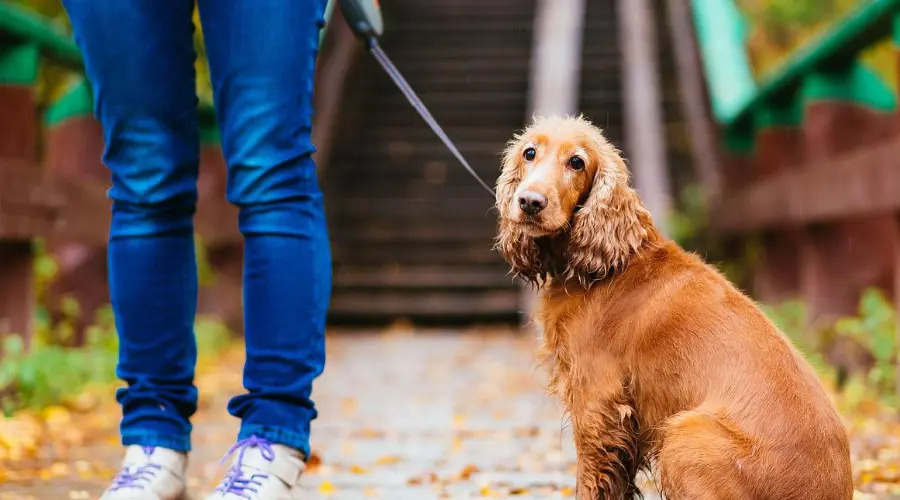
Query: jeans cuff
point(292, 439)
point(151, 438)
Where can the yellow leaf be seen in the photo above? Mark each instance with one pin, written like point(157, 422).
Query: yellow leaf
point(388, 460)
point(357, 470)
point(326, 488)
point(567, 492)
point(56, 415)
point(349, 406)
point(60, 469)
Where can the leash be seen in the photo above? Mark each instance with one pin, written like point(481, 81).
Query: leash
point(364, 18)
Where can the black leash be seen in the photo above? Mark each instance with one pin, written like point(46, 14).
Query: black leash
point(364, 18)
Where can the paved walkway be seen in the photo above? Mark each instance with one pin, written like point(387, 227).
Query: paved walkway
point(402, 416)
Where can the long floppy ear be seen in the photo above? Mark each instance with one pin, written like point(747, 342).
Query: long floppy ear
point(610, 226)
point(517, 248)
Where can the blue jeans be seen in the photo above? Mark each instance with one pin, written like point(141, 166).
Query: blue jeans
point(139, 58)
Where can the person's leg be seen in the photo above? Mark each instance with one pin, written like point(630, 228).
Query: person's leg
point(139, 58)
point(262, 57)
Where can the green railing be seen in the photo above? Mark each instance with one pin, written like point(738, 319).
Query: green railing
point(27, 39)
point(828, 68)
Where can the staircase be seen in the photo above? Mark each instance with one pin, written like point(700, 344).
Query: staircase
point(411, 231)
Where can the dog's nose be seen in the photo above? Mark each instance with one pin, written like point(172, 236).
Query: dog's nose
point(531, 202)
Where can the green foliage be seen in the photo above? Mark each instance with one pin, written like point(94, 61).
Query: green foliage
point(875, 328)
point(792, 318)
point(691, 219)
point(206, 274)
point(45, 373)
point(779, 27)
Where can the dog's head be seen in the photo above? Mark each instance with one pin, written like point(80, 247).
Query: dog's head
point(565, 205)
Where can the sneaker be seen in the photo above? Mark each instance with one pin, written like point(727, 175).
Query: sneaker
point(149, 473)
point(261, 470)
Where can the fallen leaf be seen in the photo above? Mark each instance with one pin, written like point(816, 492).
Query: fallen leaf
point(467, 472)
point(431, 477)
point(388, 460)
point(348, 405)
point(313, 462)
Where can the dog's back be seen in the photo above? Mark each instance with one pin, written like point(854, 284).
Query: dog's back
point(730, 409)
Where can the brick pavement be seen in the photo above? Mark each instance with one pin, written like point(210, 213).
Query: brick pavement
point(402, 416)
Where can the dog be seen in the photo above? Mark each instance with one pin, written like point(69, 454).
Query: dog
point(660, 362)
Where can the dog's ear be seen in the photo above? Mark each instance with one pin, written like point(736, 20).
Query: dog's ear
point(610, 225)
point(516, 247)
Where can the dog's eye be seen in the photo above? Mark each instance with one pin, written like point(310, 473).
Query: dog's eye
point(576, 162)
point(529, 154)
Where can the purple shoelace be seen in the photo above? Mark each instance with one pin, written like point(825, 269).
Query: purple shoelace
point(235, 483)
point(136, 477)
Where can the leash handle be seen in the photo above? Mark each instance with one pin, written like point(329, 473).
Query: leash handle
point(363, 17)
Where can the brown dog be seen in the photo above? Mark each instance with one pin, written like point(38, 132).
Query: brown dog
point(657, 357)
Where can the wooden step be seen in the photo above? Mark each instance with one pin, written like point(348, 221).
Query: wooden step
point(445, 209)
point(439, 186)
point(450, 256)
point(446, 306)
point(431, 28)
point(422, 277)
point(420, 232)
point(412, 231)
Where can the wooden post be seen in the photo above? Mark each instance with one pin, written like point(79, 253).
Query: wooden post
point(779, 148)
point(556, 58)
point(644, 132)
point(689, 72)
point(835, 125)
point(18, 143)
point(73, 151)
point(555, 78)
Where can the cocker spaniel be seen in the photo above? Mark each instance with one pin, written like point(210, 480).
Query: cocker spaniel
point(659, 360)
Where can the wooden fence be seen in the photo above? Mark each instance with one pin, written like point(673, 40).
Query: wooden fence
point(53, 184)
point(809, 157)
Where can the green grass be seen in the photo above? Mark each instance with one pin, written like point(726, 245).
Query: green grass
point(49, 373)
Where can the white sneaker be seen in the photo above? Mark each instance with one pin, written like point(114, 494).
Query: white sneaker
point(149, 474)
point(261, 470)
